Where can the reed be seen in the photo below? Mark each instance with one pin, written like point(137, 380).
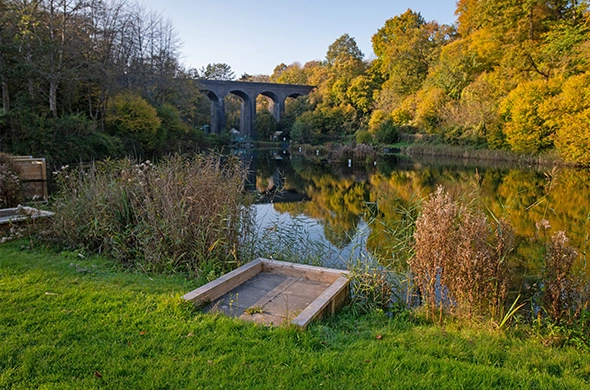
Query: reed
point(186, 215)
point(461, 258)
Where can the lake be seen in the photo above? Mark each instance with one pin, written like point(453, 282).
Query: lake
point(312, 211)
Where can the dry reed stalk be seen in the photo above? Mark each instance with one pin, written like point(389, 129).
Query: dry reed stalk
point(180, 214)
point(435, 237)
point(461, 258)
point(562, 296)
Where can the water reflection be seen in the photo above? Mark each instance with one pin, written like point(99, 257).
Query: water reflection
point(337, 202)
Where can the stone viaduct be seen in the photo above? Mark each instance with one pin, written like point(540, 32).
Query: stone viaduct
point(216, 90)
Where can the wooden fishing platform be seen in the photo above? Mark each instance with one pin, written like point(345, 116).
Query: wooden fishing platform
point(275, 293)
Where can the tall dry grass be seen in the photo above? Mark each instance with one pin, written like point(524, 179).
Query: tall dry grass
point(461, 258)
point(179, 215)
point(564, 294)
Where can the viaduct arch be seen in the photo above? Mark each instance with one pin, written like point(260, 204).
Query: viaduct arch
point(216, 90)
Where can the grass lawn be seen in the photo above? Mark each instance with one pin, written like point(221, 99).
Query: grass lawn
point(73, 323)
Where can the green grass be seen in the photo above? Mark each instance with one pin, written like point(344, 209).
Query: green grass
point(73, 323)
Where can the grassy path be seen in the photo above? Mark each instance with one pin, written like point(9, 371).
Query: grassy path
point(73, 323)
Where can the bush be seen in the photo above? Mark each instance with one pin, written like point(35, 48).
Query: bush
point(69, 138)
point(130, 116)
point(10, 188)
point(179, 215)
point(363, 137)
point(387, 133)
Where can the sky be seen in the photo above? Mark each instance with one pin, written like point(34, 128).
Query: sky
point(254, 36)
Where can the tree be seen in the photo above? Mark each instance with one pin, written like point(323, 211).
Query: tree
point(568, 115)
point(218, 71)
point(265, 124)
point(406, 47)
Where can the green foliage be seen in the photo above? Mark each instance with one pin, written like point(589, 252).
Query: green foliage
point(66, 139)
point(387, 133)
point(265, 124)
point(406, 47)
point(363, 137)
point(172, 131)
point(360, 93)
point(131, 116)
point(304, 130)
point(218, 71)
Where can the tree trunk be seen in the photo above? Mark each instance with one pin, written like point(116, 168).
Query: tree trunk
point(5, 95)
point(53, 97)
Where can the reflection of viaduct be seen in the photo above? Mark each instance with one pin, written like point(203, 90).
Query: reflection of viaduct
point(275, 93)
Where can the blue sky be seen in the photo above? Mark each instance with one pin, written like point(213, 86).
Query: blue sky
point(254, 36)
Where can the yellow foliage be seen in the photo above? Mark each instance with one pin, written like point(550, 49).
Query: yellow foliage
point(525, 126)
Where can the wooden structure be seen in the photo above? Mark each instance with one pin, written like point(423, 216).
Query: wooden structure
point(33, 174)
point(275, 292)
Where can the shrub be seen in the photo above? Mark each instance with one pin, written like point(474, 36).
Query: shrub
point(10, 188)
point(179, 215)
point(130, 116)
point(387, 133)
point(363, 137)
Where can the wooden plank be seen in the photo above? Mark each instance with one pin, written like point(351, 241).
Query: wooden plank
point(315, 308)
point(310, 272)
point(30, 168)
point(213, 290)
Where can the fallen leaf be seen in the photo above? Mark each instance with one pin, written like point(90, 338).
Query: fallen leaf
point(379, 337)
point(142, 333)
point(367, 361)
point(97, 374)
point(210, 362)
point(190, 334)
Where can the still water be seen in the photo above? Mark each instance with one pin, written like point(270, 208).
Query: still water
point(317, 212)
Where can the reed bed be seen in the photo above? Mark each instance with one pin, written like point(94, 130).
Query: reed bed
point(187, 215)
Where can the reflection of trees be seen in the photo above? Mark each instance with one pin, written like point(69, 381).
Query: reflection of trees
point(523, 196)
point(338, 203)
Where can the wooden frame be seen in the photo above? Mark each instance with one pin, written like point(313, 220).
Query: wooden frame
point(327, 303)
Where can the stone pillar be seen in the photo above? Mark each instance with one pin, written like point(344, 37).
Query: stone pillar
point(217, 113)
point(276, 108)
point(247, 117)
